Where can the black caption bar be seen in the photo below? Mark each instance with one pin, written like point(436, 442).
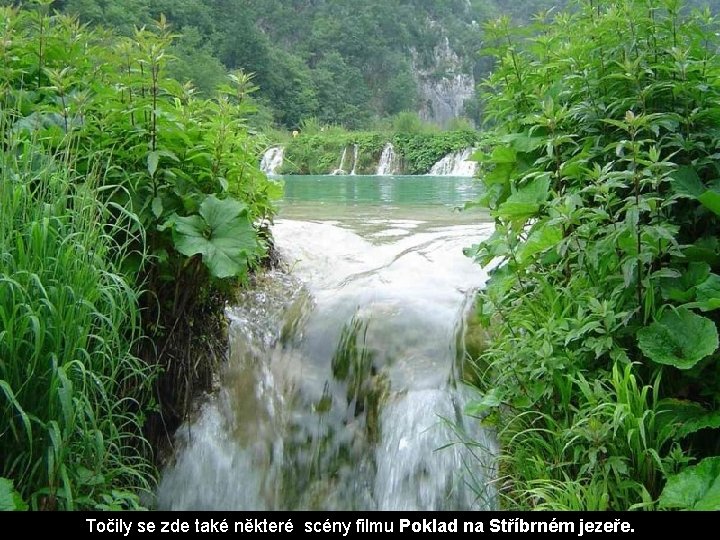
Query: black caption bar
point(343, 524)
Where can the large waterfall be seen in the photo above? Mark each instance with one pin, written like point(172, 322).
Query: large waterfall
point(272, 160)
point(455, 164)
point(388, 161)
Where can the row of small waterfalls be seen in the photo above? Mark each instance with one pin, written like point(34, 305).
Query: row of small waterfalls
point(454, 164)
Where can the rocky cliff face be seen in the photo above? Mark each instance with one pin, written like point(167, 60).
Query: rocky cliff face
point(445, 86)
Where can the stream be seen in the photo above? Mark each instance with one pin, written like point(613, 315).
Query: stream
point(341, 391)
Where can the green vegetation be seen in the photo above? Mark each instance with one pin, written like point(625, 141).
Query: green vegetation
point(342, 61)
point(420, 151)
point(320, 152)
point(601, 365)
point(129, 207)
point(72, 389)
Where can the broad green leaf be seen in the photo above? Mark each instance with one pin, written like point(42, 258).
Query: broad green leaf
point(707, 295)
point(516, 210)
point(711, 201)
point(680, 338)
point(157, 207)
point(685, 181)
point(222, 234)
point(152, 162)
point(491, 400)
point(503, 154)
point(705, 249)
point(9, 498)
point(542, 238)
point(525, 202)
point(695, 488)
point(682, 289)
point(522, 142)
point(707, 421)
point(220, 212)
point(709, 289)
point(499, 175)
point(191, 235)
point(686, 417)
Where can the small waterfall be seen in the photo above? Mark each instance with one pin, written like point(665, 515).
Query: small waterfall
point(413, 475)
point(356, 150)
point(272, 160)
point(455, 164)
point(340, 169)
point(388, 161)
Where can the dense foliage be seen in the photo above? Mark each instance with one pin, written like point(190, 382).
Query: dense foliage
point(126, 201)
point(69, 321)
point(324, 152)
point(343, 61)
point(601, 369)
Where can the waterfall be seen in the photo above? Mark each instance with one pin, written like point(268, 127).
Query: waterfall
point(340, 169)
point(339, 391)
point(455, 164)
point(356, 150)
point(388, 161)
point(272, 160)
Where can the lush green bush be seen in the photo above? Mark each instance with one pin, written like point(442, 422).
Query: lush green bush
point(320, 152)
point(100, 99)
point(420, 151)
point(601, 370)
point(410, 122)
point(179, 210)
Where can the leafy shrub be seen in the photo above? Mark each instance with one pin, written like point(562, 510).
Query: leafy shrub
point(116, 179)
point(600, 176)
point(321, 153)
point(410, 122)
point(421, 151)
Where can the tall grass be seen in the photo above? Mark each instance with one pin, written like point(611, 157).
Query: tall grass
point(603, 452)
point(71, 391)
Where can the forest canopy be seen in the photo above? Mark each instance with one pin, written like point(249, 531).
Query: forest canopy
point(342, 61)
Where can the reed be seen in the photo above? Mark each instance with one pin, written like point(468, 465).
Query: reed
point(72, 394)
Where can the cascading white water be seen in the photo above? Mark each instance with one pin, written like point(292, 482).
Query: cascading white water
point(388, 161)
point(341, 169)
point(455, 164)
point(272, 160)
point(415, 424)
point(356, 150)
point(341, 391)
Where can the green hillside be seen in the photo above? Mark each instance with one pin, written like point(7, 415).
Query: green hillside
point(343, 62)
